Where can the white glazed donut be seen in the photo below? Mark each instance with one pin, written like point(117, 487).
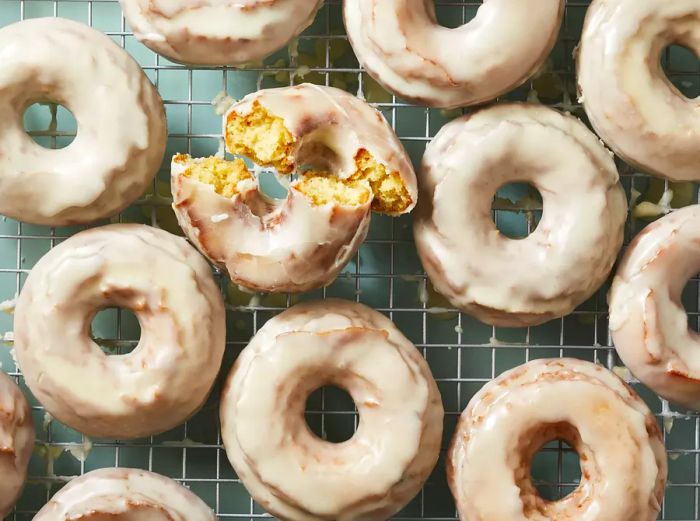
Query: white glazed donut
point(128, 494)
point(403, 47)
point(648, 321)
point(121, 124)
point(169, 287)
point(563, 262)
point(623, 460)
point(16, 442)
point(293, 474)
point(629, 100)
point(218, 32)
point(301, 242)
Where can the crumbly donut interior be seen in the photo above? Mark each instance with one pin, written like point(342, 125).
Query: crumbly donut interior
point(264, 138)
point(223, 175)
point(323, 188)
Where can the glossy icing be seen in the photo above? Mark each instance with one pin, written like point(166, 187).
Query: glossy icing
point(167, 377)
point(121, 124)
point(629, 100)
point(123, 493)
point(218, 32)
point(623, 461)
point(16, 442)
point(648, 321)
point(401, 44)
point(292, 473)
point(567, 257)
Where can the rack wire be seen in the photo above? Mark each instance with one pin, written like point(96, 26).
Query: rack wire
point(386, 274)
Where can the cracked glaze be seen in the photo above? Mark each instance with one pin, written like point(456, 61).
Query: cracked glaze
point(631, 103)
point(524, 282)
point(403, 47)
point(120, 120)
point(285, 467)
point(169, 287)
point(623, 461)
point(127, 495)
point(16, 442)
point(291, 245)
point(218, 32)
point(648, 321)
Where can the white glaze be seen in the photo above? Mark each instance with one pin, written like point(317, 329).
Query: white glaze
point(120, 117)
point(648, 321)
point(167, 377)
point(16, 442)
point(218, 32)
point(563, 262)
point(291, 245)
point(403, 47)
point(124, 494)
point(630, 102)
point(623, 461)
point(292, 473)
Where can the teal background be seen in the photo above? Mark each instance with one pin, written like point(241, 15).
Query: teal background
point(462, 352)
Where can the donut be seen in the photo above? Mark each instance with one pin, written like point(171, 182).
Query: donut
point(124, 494)
point(526, 282)
point(621, 451)
point(288, 470)
point(120, 116)
point(629, 100)
point(212, 32)
point(355, 165)
point(169, 374)
point(16, 442)
point(648, 321)
point(403, 47)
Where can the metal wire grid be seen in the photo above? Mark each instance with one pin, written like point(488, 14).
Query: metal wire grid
point(463, 353)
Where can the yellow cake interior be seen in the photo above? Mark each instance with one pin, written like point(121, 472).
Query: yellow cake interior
point(223, 175)
point(264, 138)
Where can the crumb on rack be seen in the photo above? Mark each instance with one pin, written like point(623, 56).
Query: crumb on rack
point(323, 189)
point(264, 138)
point(223, 175)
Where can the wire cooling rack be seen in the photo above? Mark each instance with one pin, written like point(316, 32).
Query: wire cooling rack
point(463, 353)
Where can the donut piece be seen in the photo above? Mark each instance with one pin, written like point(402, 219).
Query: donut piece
point(403, 47)
point(372, 475)
point(525, 282)
point(629, 100)
point(124, 494)
point(16, 442)
point(212, 32)
point(648, 321)
point(356, 164)
point(623, 461)
point(121, 124)
point(169, 374)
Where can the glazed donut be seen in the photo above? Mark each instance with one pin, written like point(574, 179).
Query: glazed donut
point(402, 46)
point(212, 32)
point(623, 460)
point(293, 474)
point(648, 321)
point(124, 494)
point(167, 377)
point(629, 100)
point(525, 282)
point(301, 242)
point(121, 124)
point(16, 442)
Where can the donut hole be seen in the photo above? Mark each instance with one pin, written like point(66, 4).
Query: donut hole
point(555, 470)
point(517, 209)
point(331, 414)
point(50, 125)
point(116, 330)
point(690, 299)
point(681, 66)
